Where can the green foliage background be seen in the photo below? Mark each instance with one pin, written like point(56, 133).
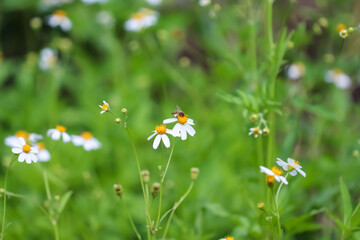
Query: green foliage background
point(147, 72)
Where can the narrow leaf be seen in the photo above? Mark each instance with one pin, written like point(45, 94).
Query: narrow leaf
point(346, 201)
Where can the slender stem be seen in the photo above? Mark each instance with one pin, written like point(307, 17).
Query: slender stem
point(253, 51)
point(47, 187)
point(4, 206)
point(56, 230)
point(277, 214)
point(176, 205)
point(130, 219)
point(269, 33)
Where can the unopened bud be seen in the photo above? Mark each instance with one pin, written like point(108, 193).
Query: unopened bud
point(57, 197)
point(270, 180)
point(269, 219)
point(118, 189)
point(155, 189)
point(118, 120)
point(35, 23)
point(261, 206)
point(194, 172)
point(266, 131)
point(254, 117)
point(124, 111)
point(351, 29)
point(145, 174)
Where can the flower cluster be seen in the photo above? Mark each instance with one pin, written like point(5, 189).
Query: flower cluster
point(59, 18)
point(142, 19)
point(291, 166)
point(344, 31)
point(256, 131)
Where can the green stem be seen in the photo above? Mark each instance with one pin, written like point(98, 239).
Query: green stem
point(4, 206)
point(277, 214)
point(130, 219)
point(176, 205)
point(253, 51)
point(47, 187)
point(56, 230)
point(269, 30)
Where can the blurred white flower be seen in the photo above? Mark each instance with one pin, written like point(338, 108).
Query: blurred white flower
point(160, 135)
point(26, 153)
point(204, 3)
point(256, 131)
point(48, 58)
point(11, 141)
point(183, 125)
point(142, 19)
point(94, 1)
point(295, 71)
point(275, 172)
point(105, 18)
point(44, 154)
point(59, 131)
point(338, 77)
point(105, 107)
point(154, 2)
point(292, 166)
point(86, 140)
point(59, 18)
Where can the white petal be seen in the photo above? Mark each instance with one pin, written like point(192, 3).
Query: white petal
point(165, 140)
point(156, 141)
point(44, 155)
point(169, 120)
point(190, 121)
point(102, 112)
point(33, 137)
point(176, 129)
point(22, 141)
point(266, 171)
point(152, 135)
point(21, 157)
point(290, 161)
point(293, 173)
point(66, 137)
point(77, 140)
point(183, 134)
point(17, 150)
point(301, 172)
point(173, 133)
point(283, 179)
point(34, 150)
point(55, 135)
point(50, 132)
point(190, 129)
point(28, 158)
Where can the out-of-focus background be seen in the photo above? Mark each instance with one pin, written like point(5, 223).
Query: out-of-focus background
point(199, 58)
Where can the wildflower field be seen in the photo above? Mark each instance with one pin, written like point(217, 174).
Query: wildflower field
point(179, 119)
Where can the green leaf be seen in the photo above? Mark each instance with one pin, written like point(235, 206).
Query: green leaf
point(355, 217)
point(217, 209)
point(303, 223)
point(64, 199)
point(337, 221)
point(346, 201)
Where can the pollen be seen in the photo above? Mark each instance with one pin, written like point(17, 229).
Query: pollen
point(22, 134)
point(276, 171)
point(256, 131)
point(60, 13)
point(160, 129)
point(182, 119)
point(338, 71)
point(86, 135)
point(60, 128)
point(105, 107)
point(229, 238)
point(26, 148)
point(41, 145)
point(137, 16)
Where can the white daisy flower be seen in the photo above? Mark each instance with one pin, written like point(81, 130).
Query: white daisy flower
point(295, 71)
point(204, 3)
point(275, 172)
point(26, 153)
point(183, 125)
point(338, 77)
point(256, 131)
point(44, 154)
point(59, 131)
point(105, 107)
point(154, 2)
point(93, 1)
point(144, 18)
point(292, 166)
point(86, 140)
point(11, 141)
point(59, 18)
point(48, 58)
point(160, 135)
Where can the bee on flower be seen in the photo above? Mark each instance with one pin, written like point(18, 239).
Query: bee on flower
point(160, 133)
point(255, 131)
point(43, 154)
point(25, 151)
point(12, 141)
point(59, 18)
point(338, 77)
point(292, 166)
point(183, 125)
point(105, 107)
point(58, 132)
point(87, 140)
point(48, 58)
point(295, 70)
point(272, 174)
point(144, 18)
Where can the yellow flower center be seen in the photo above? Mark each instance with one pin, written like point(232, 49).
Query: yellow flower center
point(86, 135)
point(26, 148)
point(337, 71)
point(276, 171)
point(229, 238)
point(60, 13)
point(137, 16)
point(340, 27)
point(60, 128)
point(41, 145)
point(256, 131)
point(270, 179)
point(160, 129)
point(105, 107)
point(182, 119)
point(22, 134)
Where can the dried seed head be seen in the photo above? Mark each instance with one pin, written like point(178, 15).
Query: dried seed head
point(145, 174)
point(118, 189)
point(155, 189)
point(194, 172)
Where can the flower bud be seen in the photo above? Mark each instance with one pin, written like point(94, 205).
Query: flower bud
point(194, 172)
point(36, 23)
point(270, 180)
point(118, 120)
point(155, 189)
point(254, 117)
point(118, 189)
point(261, 206)
point(266, 131)
point(351, 29)
point(124, 111)
point(145, 174)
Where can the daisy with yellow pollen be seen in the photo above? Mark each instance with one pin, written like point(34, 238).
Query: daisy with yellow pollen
point(87, 140)
point(275, 173)
point(144, 18)
point(59, 131)
point(105, 107)
point(256, 131)
point(59, 18)
point(11, 141)
point(338, 77)
point(183, 125)
point(26, 153)
point(160, 133)
point(227, 238)
point(292, 166)
point(43, 155)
